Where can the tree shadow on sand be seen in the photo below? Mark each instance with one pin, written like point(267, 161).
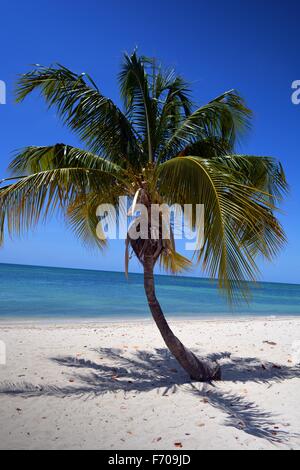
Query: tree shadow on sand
point(146, 371)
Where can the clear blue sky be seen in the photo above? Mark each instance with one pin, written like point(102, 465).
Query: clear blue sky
point(252, 46)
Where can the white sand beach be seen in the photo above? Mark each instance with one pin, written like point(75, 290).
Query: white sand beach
point(114, 386)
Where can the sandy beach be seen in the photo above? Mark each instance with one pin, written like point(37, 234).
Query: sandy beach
point(114, 386)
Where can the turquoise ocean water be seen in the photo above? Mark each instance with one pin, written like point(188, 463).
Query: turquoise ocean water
point(53, 293)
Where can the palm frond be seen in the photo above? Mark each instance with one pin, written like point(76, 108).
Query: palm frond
point(37, 159)
point(81, 217)
point(210, 147)
point(96, 119)
point(139, 104)
point(264, 173)
point(225, 118)
point(175, 105)
point(173, 262)
point(38, 196)
point(232, 212)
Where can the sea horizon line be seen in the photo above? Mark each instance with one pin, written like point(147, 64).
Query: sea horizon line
point(141, 274)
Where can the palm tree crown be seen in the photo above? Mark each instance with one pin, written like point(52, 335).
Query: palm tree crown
point(159, 142)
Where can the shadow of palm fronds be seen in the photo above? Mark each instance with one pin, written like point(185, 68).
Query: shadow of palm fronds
point(146, 371)
point(244, 415)
point(252, 369)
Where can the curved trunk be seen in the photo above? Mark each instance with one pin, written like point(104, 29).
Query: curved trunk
point(202, 371)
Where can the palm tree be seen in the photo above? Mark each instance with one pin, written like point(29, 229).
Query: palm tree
point(162, 149)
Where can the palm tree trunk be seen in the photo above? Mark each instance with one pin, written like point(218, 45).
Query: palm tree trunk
point(202, 371)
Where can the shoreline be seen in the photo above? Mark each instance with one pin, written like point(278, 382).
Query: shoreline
point(106, 321)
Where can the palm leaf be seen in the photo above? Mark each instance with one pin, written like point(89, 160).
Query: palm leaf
point(37, 159)
point(38, 196)
point(173, 262)
point(96, 119)
point(139, 104)
point(81, 217)
point(231, 214)
point(225, 118)
point(264, 173)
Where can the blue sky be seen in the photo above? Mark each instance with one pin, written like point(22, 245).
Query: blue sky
point(252, 46)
